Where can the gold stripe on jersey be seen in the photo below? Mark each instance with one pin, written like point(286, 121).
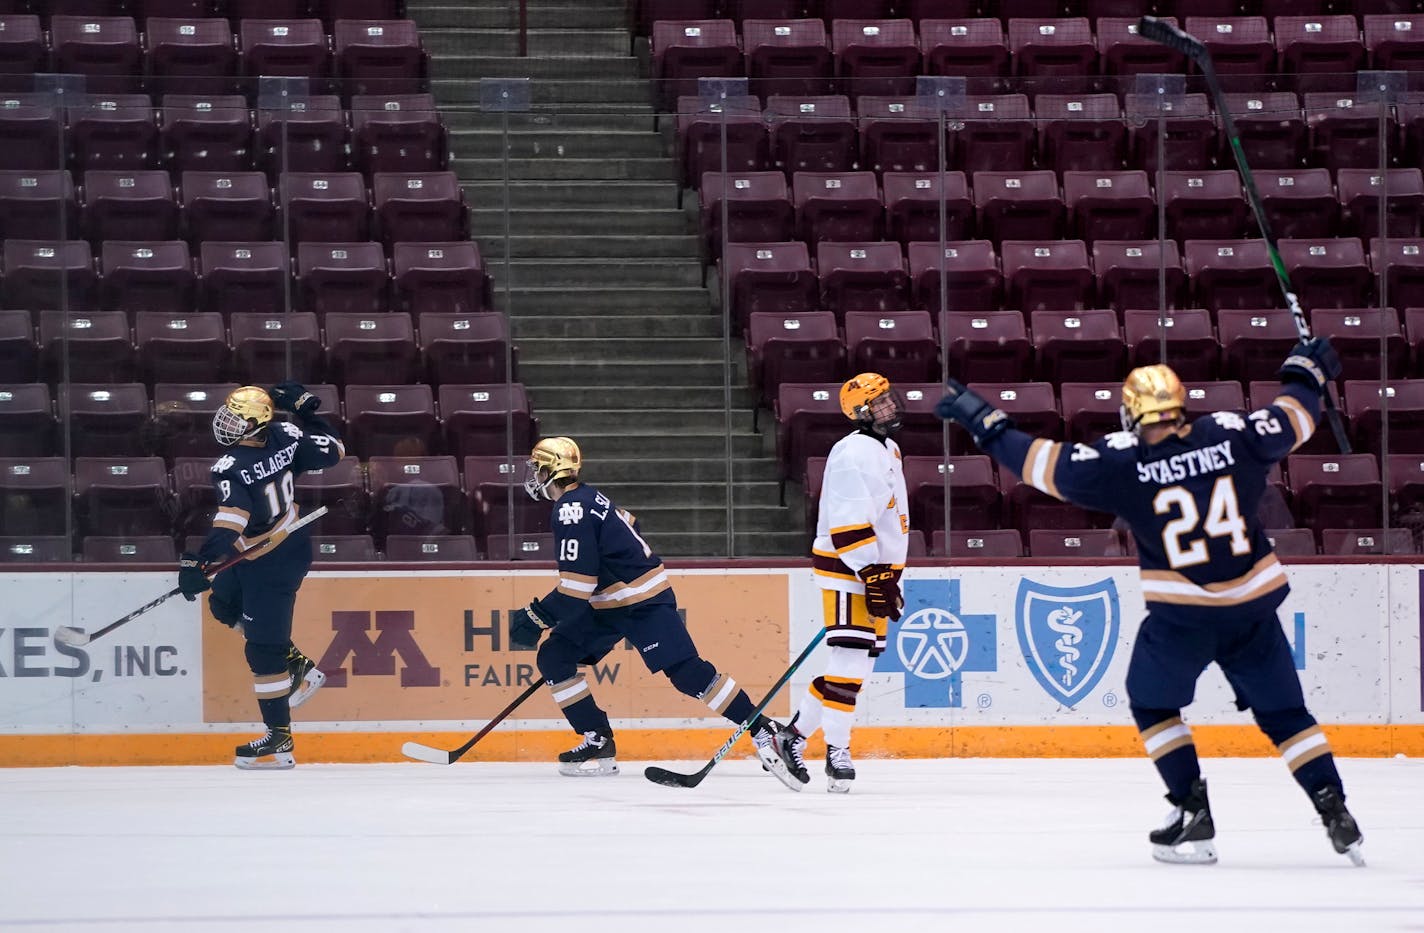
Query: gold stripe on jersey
point(837, 693)
point(272, 686)
point(1040, 464)
point(828, 564)
point(645, 587)
point(1301, 422)
point(272, 536)
point(568, 692)
point(720, 694)
point(1304, 747)
point(1168, 586)
point(849, 622)
point(577, 585)
point(1166, 737)
point(231, 518)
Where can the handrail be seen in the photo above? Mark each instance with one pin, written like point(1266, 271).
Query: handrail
point(523, 28)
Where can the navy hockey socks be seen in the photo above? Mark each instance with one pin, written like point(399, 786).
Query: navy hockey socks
point(1169, 744)
point(1303, 748)
point(697, 678)
point(272, 683)
point(580, 709)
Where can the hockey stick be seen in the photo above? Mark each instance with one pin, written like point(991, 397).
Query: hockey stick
point(673, 779)
point(438, 756)
point(1150, 27)
point(69, 635)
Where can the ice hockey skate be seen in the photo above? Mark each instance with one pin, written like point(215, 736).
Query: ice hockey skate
point(1186, 838)
point(790, 748)
point(306, 678)
point(593, 757)
point(765, 736)
point(271, 752)
point(1340, 826)
point(840, 771)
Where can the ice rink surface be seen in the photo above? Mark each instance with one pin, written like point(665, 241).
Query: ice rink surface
point(960, 845)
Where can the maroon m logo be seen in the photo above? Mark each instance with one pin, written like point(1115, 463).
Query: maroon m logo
point(376, 657)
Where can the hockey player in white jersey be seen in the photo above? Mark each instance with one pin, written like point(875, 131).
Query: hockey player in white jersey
point(862, 535)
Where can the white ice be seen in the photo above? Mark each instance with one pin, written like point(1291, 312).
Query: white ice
point(1055, 846)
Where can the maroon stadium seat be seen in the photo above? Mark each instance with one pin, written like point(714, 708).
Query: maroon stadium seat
point(342, 489)
point(231, 206)
point(1204, 205)
point(1399, 270)
point(35, 494)
point(148, 276)
point(307, 135)
point(1018, 205)
point(1032, 405)
point(1192, 348)
point(792, 346)
point(206, 133)
point(343, 548)
point(972, 281)
point(1356, 334)
point(1231, 274)
point(1126, 53)
point(25, 549)
point(538, 547)
point(1364, 406)
point(993, 133)
point(1047, 274)
point(862, 277)
point(700, 128)
point(685, 50)
point(919, 10)
point(1080, 132)
point(181, 9)
point(837, 206)
point(1240, 46)
point(195, 500)
point(1271, 128)
point(343, 277)
point(740, 10)
point(391, 420)
point(419, 208)
point(288, 48)
point(1130, 273)
point(921, 432)
point(1091, 409)
point(1342, 135)
point(489, 482)
point(1323, 51)
point(419, 548)
point(1254, 342)
point(325, 207)
point(36, 270)
point(1327, 273)
point(183, 418)
point(22, 45)
point(19, 355)
point(244, 277)
point(364, 348)
point(1203, 398)
point(789, 56)
point(912, 206)
point(1292, 542)
point(464, 348)
point(770, 277)
point(811, 134)
point(264, 342)
point(89, 346)
point(973, 493)
point(1109, 205)
point(1053, 48)
point(1262, 393)
point(1003, 543)
point(1335, 490)
point(875, 56)
point(379, 56)
point(397, 133)
point(1190, 133)
point(809, 422)
point(900, 345)
point(758, 209)
point(972, 48)
point(1075, 542)
point(129, 205)
point(1028, 509)
point(897, 134)
point(190, 54)
point(1359, 541)
point(987, 346)
point(1360, 196)
point(33, 129)
point(1395, 41)
point(477, 416)
point(129, 549)
point(181, 347)
point(1300, 202)
point(1077, 346)
point(105, 420)
point(1406, 482)
point(37, 204)
point(27, 423)
point(238, 10)
point(104, 49)
point(122, 496)
point(443, 277)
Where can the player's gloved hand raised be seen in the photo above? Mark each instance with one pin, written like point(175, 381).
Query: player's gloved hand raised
point(1313, 363)
point(192, 579)
point(972, 412)
point(294, 397)
point(882, 591)
point(528, 626)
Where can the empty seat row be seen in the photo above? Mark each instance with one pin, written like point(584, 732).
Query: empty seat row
point(326, 10)
point(125, 132)
point(160, 549)
point(111, 54)
point(322, 207)
point(235, 278)
point(119, 420)
point(186, 347)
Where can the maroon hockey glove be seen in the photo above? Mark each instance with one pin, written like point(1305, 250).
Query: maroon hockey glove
point(882, 591)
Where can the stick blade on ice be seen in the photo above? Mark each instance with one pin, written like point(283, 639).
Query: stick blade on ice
point(671, 778)
point(434, 756)
point(70, 636)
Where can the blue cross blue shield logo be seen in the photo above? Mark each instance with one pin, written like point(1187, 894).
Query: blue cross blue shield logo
point(933, 643)
point(1067, 635)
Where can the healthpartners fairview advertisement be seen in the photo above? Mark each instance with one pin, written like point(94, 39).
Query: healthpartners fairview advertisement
point(1007, 661)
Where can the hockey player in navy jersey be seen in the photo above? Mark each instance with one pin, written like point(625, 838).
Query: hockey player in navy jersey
point(1212, 584)
point(611, 587)
point(254, 482)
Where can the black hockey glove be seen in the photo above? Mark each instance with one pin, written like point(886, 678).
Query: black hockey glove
point(529, 625)
point(191, 578)
point(294, 397)
point(882, 591)
point(1312, 363)
point(972, 412)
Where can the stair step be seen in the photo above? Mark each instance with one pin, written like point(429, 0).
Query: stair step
point(672, 420)
point(541, 42)
point(576, 273)
point(588, 67)
point(506, 16)
point(659, 519)
point(696, 446)
point(649, 168)
point(618, 249)
point(488, 220)
point(747, 544)
point(569, 327)
point(635, 496)
point(571, 89)
point(636, 397)
point(574, 194)
point(527, 140)
point(622, 349)
point(614, 470)
point(647, 373)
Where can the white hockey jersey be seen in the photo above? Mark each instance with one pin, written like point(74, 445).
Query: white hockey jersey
point(864, 516)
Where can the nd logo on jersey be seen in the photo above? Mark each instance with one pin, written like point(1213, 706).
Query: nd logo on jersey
point(1067, 635)
point(933, 643)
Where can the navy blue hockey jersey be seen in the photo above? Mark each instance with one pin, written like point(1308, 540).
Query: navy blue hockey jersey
point(604, 563)
point(1189, 499)
point(256, 486)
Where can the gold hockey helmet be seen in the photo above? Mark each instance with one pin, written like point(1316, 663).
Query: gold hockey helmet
point(242, 414)
point(552, 458)
point(1150, 395)
point(870, 401)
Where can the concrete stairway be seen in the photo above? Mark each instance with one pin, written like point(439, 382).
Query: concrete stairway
point(619, 342)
